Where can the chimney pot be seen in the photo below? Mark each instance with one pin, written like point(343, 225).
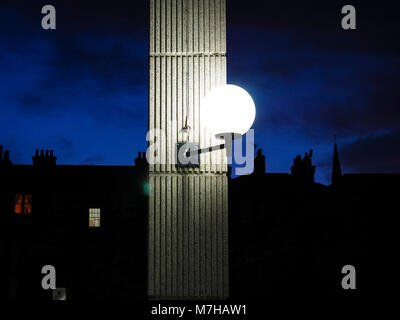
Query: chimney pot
point(37, 153)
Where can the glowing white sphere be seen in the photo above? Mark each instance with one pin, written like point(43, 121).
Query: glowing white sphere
point(228, 109)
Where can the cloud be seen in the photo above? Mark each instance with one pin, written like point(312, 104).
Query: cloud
point(52, 72)
point(65, 145)
point(30, 100)
point(379, 154)
point(120, 116)
point(318, 92)
point(94, 159)
point(87, 81)
point(318, 23)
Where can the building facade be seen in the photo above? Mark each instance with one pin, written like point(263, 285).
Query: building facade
point(86, 221)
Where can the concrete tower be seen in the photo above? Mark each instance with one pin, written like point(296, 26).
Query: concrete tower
point(188, 207)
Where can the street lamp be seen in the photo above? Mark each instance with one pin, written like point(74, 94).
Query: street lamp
point(228, 111)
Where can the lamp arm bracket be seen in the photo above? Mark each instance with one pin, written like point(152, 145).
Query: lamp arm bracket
point(205, 150)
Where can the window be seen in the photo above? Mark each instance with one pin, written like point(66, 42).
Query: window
point(94, 218)
point(60, 294)
point(23, 204)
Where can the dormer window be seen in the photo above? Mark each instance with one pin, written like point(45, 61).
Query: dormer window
point(23, 203)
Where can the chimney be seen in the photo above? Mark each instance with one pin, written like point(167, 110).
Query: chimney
point(259, 163)
point(4, 156)
point(302, 169)
point(141, 160)
point(45, 158)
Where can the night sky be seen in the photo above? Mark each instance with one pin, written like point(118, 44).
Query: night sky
point(82, 89)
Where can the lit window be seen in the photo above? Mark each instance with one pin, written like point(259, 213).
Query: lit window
point(94, 218)
point(23, 204)
point(60, 294)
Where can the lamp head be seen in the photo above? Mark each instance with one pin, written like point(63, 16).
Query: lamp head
point(228, 109)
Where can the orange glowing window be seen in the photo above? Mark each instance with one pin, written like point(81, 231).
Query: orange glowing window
point(23, 203)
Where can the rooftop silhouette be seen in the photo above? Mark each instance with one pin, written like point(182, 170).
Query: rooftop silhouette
point(90, 222)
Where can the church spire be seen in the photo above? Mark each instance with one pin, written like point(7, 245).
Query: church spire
point(336, 169)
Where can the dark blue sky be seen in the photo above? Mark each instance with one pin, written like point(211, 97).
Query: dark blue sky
point(82, 89)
